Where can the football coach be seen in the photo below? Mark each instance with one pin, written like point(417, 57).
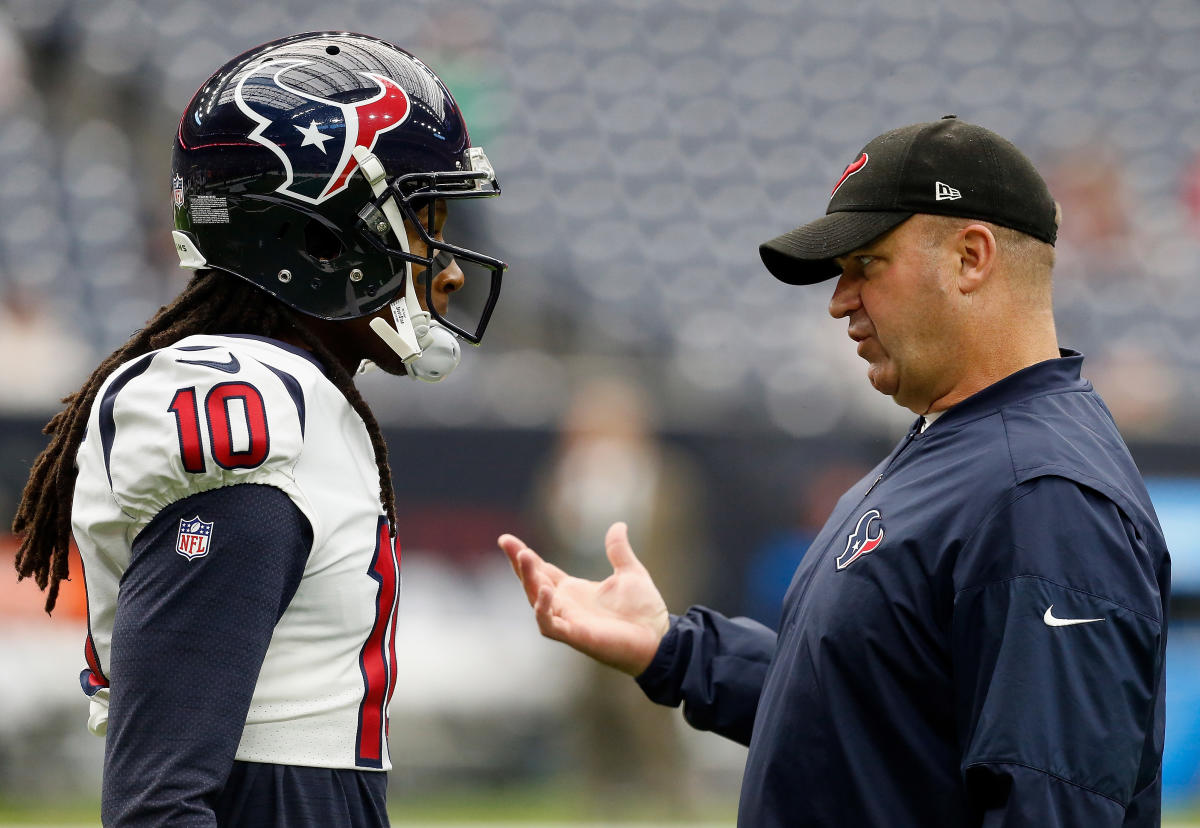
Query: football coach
point(977, 635)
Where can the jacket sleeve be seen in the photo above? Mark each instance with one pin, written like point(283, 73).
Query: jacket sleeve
point(716, 667)
point(1057, 639)
point(189, 639)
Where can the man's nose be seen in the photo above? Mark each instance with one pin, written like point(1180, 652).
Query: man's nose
point(845, 299)
point(448, 276)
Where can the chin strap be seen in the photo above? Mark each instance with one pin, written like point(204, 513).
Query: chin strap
point(430, 352)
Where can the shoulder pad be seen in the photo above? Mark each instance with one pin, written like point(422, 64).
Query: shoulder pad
point(205, 413)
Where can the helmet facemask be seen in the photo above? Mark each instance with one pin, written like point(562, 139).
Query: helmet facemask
point(412, 193)
point(422, 336)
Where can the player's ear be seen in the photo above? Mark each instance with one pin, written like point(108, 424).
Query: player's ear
point(975, 250)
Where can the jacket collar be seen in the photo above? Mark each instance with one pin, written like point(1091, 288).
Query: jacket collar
point(1049, 377)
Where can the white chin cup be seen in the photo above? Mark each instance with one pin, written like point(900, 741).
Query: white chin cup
point(430, 352)
point(440, 354)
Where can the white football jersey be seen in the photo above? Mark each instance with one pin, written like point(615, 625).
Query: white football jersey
point(215, 411)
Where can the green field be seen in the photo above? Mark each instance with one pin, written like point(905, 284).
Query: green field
point(475, 809)
point(526, 806)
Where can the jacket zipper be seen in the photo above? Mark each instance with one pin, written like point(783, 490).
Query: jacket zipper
point(907, 440)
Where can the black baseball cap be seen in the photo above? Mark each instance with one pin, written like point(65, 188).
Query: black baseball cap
point(946, 167)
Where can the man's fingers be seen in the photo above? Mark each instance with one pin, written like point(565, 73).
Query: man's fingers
point(531, 564)
point(540, 580)
point(511, 546)
point(542, 601)
point(550, 625)
point(536, 574)
point(616, 546)
point(517, 551)
point(532, 579)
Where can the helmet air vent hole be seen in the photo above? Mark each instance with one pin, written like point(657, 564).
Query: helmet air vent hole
point(332, 50)
point(283, 230)
point(320, 242)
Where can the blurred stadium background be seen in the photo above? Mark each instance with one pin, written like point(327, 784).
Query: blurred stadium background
point(641, 363)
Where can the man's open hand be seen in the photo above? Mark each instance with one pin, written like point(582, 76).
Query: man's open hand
point(618, 621)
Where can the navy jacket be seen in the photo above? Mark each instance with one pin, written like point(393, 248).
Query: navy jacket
point(975, 638)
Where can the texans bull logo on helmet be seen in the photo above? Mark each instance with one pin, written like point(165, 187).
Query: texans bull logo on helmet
point(322, 135)
point(861, 541)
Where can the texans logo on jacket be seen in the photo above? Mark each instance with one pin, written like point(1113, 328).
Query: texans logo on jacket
point(320, 142)
point(861, 541)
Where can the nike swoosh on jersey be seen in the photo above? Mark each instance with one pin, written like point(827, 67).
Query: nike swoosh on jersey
point(230, 367)
point(1051, 621)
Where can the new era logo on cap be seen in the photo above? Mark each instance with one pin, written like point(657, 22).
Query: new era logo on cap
point(944, 192)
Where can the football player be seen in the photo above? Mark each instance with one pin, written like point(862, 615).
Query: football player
point(226, 484)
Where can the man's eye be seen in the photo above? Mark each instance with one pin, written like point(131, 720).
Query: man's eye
point(863, 261)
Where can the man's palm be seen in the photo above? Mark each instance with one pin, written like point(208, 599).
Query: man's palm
point(619, 621)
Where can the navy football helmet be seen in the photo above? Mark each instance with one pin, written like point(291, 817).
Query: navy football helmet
point(296, 163)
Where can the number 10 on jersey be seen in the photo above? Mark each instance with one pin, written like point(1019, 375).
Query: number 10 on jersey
point(236, 420)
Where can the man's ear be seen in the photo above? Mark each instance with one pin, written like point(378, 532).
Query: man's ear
point(975, 247)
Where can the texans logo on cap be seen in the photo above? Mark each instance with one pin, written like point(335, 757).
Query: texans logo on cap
point(850, 170)
point(321, 142)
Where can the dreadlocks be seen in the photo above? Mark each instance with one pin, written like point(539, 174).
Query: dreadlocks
point(212, 302)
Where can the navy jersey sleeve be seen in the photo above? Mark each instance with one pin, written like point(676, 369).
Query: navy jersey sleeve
point(716, 667)
point(1057, 639)
point(189, 639)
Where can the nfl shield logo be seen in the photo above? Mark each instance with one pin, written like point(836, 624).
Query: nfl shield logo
point(194, 536)
point(177, 187)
